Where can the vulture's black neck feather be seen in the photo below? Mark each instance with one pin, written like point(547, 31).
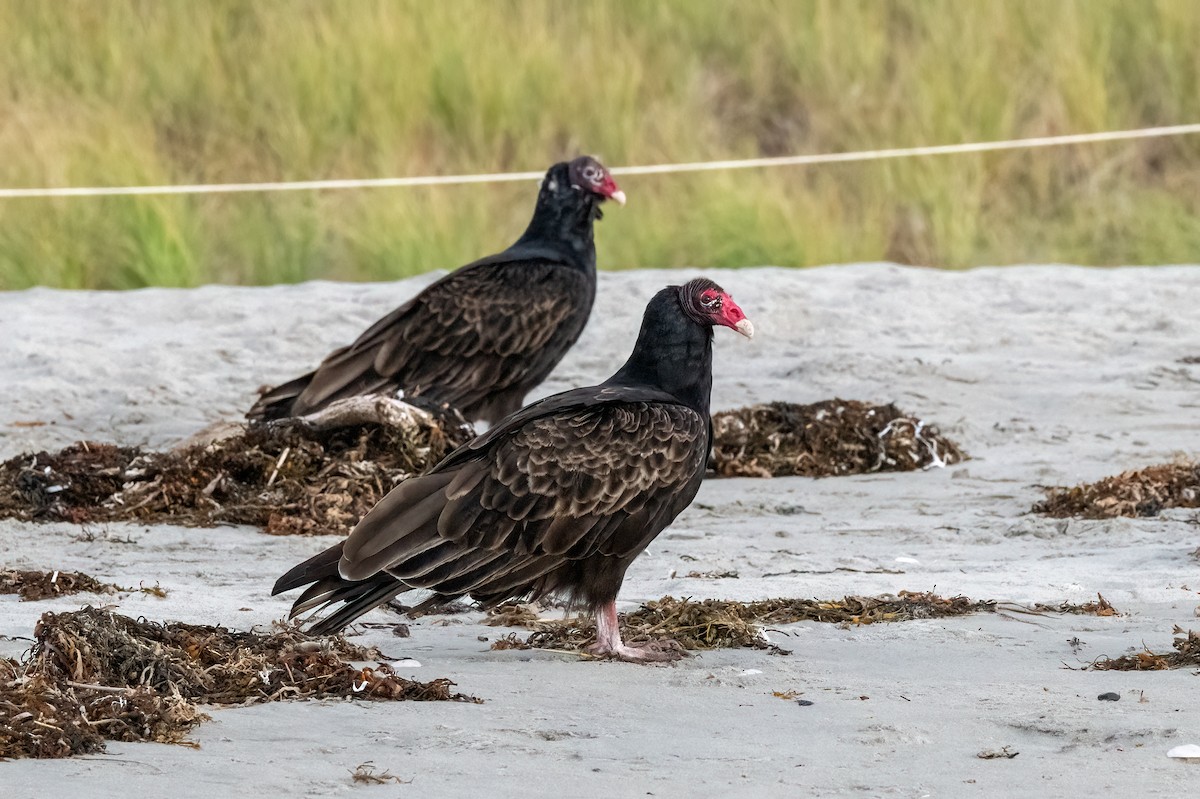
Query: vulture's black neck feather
point(673, 353)
point(562, 222)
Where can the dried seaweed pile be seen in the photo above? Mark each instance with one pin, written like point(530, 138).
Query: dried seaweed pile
point(1186, 655)
point(289, 479)
point(33, 585)
point(1136, 493)
point(722, 624)
point(834, 437)
point(512, 614)
point(303, 479)
point(1100, 607)
point(94, 675)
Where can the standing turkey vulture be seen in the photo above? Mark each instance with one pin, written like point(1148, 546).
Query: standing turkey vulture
point(480, 338)
point(558, 498)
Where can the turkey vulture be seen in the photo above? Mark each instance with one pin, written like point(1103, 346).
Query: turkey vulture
point(480, 338)
point(558, 498)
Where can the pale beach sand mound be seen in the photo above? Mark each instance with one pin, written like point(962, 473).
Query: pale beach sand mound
point(1046, 375)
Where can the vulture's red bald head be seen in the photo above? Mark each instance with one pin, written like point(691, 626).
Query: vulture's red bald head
point(588, 174)
point(708, 303)
point(722, 310)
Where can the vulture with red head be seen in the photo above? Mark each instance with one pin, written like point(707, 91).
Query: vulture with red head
point(556, 499)
point(482, 337)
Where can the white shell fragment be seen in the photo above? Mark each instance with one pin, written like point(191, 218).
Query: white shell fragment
point(407, 663)
point(1186, 752)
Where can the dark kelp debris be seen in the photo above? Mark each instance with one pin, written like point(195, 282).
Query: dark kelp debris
point(285, 478)
point(1186, 655)
point(1145, 492)
point(93, 676)
point(33, 585)
point(301, 479)
point(834, 437)
point(722, 624)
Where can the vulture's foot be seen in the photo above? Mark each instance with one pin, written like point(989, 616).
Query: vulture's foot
point(609, 644)
point(661, 651)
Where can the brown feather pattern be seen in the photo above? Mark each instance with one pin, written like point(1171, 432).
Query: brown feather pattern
point(525, 516)
point(540, 491)
point(478, 340)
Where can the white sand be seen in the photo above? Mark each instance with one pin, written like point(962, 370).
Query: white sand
point(1047, 375)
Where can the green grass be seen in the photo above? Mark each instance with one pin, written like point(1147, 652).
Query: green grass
point(120, 93)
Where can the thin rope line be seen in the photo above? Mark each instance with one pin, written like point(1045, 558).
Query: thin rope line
point(653, 169)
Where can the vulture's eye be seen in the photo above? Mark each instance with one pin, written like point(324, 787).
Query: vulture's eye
point(592, 174)
point(710, 301)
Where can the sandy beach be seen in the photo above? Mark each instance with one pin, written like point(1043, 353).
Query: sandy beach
point(1046, 375)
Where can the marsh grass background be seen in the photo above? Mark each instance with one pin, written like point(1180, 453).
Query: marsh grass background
point(166, 92)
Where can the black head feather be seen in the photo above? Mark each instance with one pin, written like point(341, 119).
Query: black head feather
point(674, 346)
point(695, 305)
point(568, 204)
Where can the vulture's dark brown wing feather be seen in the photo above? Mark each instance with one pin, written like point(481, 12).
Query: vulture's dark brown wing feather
point(478, 339)
point(561, 496)
point(482, 337)
point(549, 486)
